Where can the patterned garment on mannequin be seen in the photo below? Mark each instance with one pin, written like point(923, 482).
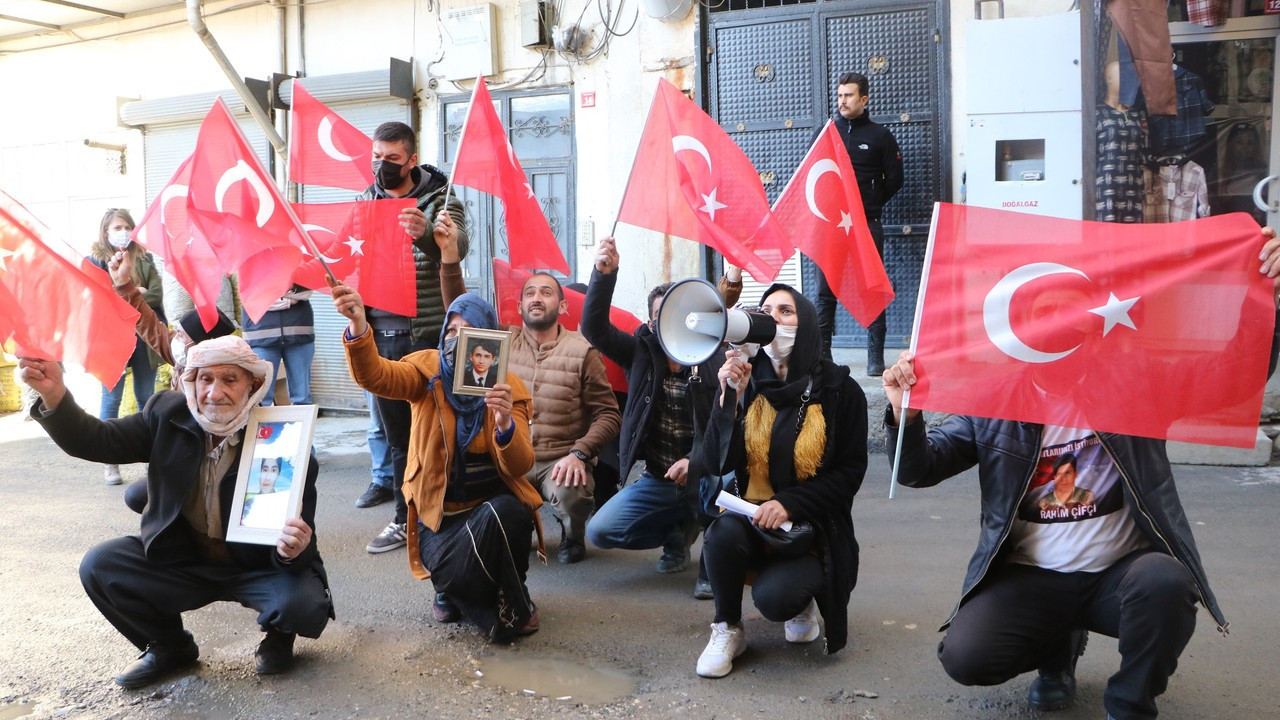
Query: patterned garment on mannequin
point(1121, 142)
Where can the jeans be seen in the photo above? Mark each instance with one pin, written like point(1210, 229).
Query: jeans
point(379, 450)
point(646, 514)
point(144, 384)
point(394, 416)
point(825, 303)
point(297, 370)
point(1021, 615)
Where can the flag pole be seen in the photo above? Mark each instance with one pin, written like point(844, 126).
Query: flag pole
point(915, 342)
point(466, 123)
point(311, 244)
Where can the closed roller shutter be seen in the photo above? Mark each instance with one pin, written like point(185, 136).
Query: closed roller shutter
point(789, 274)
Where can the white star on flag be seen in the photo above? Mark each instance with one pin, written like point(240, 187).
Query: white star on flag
point(5, 255)
point(1116, 312)
point(357, 246)
point(846, 222)
point(712, 205)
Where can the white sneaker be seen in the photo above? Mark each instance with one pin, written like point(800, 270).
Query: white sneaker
point(727, 642)
point(111, 475)
point(804, 627)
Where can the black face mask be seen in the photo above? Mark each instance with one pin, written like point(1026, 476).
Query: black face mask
point(450, 349)
point(387, 174)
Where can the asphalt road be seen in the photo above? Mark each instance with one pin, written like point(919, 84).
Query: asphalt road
point(617, 641)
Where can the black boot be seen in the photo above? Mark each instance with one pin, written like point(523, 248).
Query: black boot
point(1055, 688)
point(159, 660)
point(875, 355)
point(275, 653)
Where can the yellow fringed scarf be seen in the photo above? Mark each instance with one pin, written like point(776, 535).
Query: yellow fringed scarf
point(810, 446)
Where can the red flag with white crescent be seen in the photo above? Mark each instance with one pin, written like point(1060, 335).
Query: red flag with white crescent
point(365, 248)
point(1160, 331)
point(821, 209)
point(325, 149)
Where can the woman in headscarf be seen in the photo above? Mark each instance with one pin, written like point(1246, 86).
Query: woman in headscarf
point(113, 238)
point(470, 511)
point(796, 445)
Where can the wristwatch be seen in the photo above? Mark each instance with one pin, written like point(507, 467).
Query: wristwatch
point(579, 454)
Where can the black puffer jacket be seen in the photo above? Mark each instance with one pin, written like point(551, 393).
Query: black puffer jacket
point(641, 356)
point(1005, 453)
point(429, 185)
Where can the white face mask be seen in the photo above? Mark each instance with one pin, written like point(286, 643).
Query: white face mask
point(784, 339)
point(119, 239)
point(179, 350)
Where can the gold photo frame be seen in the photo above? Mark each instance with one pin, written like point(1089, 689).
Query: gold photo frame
point(492, 349)
point(273, 472)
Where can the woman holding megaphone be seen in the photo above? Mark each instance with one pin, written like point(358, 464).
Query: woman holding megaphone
point(793, 442)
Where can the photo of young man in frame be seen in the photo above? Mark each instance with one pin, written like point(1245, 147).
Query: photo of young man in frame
point(482, 360)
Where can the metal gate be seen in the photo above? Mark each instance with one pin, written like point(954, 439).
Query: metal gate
point(769, 78)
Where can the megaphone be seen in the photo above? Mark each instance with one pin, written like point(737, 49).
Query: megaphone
point(693, 322)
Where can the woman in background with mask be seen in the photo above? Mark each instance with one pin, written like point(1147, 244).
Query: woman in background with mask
point(113, 237)
point(470, 510)
point(796, 441)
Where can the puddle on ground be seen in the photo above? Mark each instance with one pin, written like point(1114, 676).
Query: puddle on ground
point(15, 710)
point(578, 681)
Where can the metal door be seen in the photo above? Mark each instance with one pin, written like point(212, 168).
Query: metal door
point(770, 77)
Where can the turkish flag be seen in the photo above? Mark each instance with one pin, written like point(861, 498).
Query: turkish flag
point(690, 180)
point(1161, 331)
point(234, 204)
point(487, 162)
point(324, 149)
point(56, 304)
point(166, 231)
point(509, 281)
point(822, 211)
point(365, 248)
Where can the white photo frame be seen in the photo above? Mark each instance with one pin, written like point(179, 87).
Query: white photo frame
point(495, 348)
point(277, 451)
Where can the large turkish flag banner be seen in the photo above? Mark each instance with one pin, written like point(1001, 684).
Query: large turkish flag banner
point(690, 180)
point(324, 149)
point(821, 209)
point(365, 248)
point(509, 281)
point(1160, 331)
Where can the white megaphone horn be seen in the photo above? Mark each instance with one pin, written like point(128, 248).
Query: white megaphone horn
point(693, 323)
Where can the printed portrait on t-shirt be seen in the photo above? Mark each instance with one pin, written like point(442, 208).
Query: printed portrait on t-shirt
point(1074, 480)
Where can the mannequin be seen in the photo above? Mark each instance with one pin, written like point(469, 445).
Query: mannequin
point(1121, 145)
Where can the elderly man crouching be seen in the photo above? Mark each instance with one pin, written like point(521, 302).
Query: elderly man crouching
point(181, 560)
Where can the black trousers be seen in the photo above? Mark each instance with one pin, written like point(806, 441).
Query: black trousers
point(480, 558)
point(782, 587)
point(1023, 614)
point(395, 417)
point(145, 600)
point(826, 302)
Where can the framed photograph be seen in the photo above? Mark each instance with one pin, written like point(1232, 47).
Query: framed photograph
point(273, 472)
point(482, 360)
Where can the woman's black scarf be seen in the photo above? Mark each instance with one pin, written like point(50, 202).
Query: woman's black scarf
point(808, 374)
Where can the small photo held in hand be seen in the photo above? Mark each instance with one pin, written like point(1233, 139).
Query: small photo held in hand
point(481, 362)
point(273, 472)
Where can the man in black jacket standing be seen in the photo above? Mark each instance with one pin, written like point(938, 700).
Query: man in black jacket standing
point(877, 162)
point(662, 424)
point(181, 560)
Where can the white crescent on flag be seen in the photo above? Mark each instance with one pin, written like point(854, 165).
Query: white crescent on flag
point(995, 312)
point(819, 169)
point(685, 142)
point(242, 171)
point(321, 228)
point(325, 135)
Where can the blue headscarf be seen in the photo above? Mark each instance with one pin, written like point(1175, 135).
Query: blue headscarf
point(469, 409)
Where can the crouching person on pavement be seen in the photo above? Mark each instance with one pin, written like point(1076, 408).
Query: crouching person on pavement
point(181, 561)
point(470, 510)
point(796, 446)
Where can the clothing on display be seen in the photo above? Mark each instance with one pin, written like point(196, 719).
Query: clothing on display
point(1120, 192)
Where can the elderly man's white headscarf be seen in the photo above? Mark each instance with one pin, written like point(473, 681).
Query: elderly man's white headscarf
point(227, 350)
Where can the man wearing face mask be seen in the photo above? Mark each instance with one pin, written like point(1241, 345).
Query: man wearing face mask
point(662, 425)
point(398, 175)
